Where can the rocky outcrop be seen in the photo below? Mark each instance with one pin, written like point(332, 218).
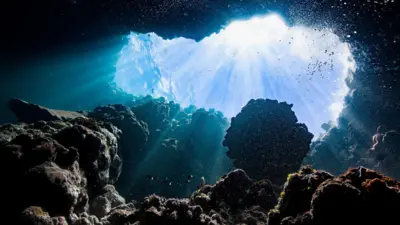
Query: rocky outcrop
point(159, 140)
point(266, 141)
point(35, 215)
point(360, 195)
point(57, 166)
point(336, 151)
point(30, 113)
point(235, 192)
point(134, 136)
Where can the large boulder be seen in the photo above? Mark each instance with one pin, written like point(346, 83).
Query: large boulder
point(266, 141)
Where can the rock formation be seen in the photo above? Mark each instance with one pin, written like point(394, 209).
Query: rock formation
point(30, 113)
point(56, 167)
point(360, 196)
point(60, 172)
point(265, 140)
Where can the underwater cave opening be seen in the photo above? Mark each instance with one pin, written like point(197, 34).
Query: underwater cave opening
point(261, 57)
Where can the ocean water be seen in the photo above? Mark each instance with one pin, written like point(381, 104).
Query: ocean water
point(171, 115)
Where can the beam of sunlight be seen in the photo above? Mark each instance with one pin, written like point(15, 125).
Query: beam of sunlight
point(257, 58)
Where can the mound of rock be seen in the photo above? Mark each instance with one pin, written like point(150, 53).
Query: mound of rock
point(266, 141)
point(336, 151)
point(56, 167)
point(234, 199)
point(359, 196)
point(166, 149)
point(133, 138)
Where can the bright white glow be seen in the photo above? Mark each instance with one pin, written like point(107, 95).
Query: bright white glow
point(258, 58)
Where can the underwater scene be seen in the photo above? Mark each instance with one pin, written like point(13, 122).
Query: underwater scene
point(203, 112)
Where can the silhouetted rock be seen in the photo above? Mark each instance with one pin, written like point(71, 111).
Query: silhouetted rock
point(266, 141)
point(30, 113)
point(237, 194)
point(133, 138)
point(359, 196)
point(108, 199)
point(160, 140)
point(57, 165)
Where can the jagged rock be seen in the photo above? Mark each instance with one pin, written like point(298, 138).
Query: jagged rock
point(335, 152)
point(68, 161)
point(160, 140)
point(336, 198)
point(35, 215)
point(121, 214)
point(266, 141)
point(47, 182)
point(360, 195)
point(134, 136)
point(107, 199)
point(97, 149)
point(30, 113)
point(235, 192)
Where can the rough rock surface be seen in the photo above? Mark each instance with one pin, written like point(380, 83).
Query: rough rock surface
point(166, 149)
point(30, 113)
point(58, 166)
point(336, 151)
point(133, 138)
point(360, 196)
point(265, 140)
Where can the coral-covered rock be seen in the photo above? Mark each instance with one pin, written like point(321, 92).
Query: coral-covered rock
point(245, 200)
point(35, 215)
point(359, 196)
point(266, 141)
point(47, 182)
point(30, 113)
point(158, 210)
point(159, 141)
point(134, 136)
point(57, 165)
point(334, 198)
point(297, 193)
point(107, 199)
point(98, 151)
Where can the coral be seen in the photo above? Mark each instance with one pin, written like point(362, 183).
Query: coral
point(245, 200)
point(58, 165)
point(107, 199)
point(134, 136)
point(159, 140)
point(359, 196)
point(35, 215)
point(266, 141)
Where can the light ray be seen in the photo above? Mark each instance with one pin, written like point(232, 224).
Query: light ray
point(258, 58)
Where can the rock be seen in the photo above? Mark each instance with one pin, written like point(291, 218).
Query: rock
point(35, 215)
point(159, 140)
point(65, 160)
point(360, 195)
point(107, 199)
point(134, 136)
point(266, 141)
point(47, 182)
point(30, 113)
point(98, 151)
point(336, 198)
